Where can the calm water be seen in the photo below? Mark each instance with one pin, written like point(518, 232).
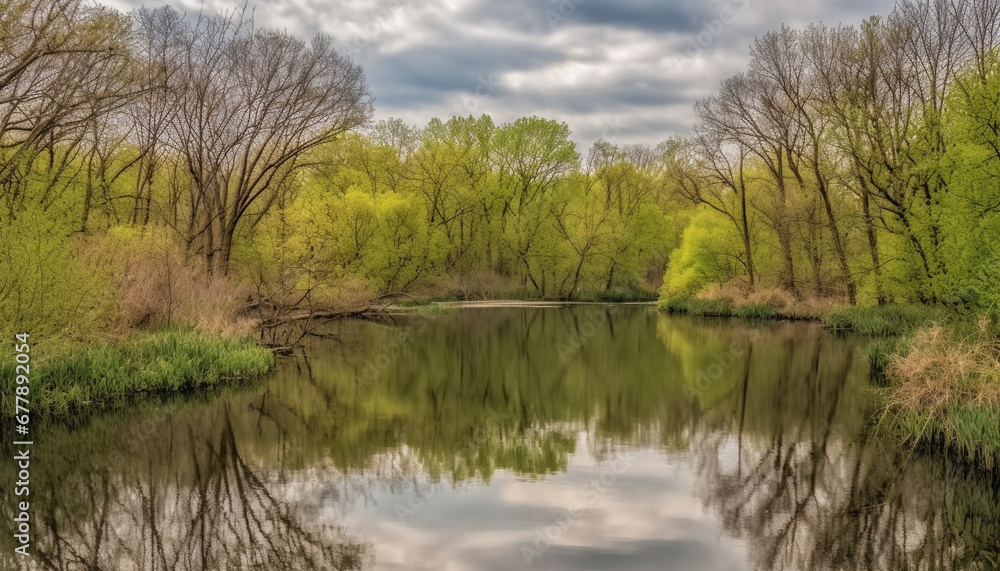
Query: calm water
point(519, 438)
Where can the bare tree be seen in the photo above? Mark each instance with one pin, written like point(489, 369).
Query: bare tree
point(247, 104)
point(714, 168)
point(62, 66)
point(780, 58)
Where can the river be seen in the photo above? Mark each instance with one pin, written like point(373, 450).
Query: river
point(581, 437)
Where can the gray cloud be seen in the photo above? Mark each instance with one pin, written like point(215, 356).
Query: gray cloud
point(589, 63)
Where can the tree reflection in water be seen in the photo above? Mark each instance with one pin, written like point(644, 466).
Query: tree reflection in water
point(809, 491)
point(184, 499)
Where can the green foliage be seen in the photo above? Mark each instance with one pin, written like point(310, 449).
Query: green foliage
point(104, 375)
point(707, 255)
point(323, 237)
point(969, 219)
point(401, 208)
point(881, 351)
point(46, 287)
point(756, 311)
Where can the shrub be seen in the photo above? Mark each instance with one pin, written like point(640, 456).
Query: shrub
point(946, 391)
point(47, 288)
point(158, 285)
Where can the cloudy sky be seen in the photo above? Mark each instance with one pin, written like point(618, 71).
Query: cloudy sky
point(623, 70)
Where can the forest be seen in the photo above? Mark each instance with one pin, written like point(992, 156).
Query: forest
point(160, 168)
point(854, 164)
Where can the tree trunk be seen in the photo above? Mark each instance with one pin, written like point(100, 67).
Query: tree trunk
point(873, 246)
point(838, 244)
point(747, 246)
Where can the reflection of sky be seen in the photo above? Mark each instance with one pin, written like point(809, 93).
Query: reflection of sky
point(647, 518)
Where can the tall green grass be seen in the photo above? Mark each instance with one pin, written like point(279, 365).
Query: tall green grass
point(887, 321)
point(698, 306)
point(970, 430)
point(624, 295)
point(719, 308)
point(880, 353)
point(156, 363)
point(759, 311)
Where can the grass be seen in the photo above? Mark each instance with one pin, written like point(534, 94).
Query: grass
point(698, 306)
point(760, 311)
point(736, 300)
point(720, 308)
point(880, 353)
point(625, 295)
point(106, 375)
point(886, 321)
point(945, 392)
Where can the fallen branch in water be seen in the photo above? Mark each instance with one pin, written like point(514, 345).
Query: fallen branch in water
point(303, 322)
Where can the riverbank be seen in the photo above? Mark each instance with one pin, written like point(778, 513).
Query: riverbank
point(944, 390)
point(78, 377)
point(885, 321)
point(937, 373)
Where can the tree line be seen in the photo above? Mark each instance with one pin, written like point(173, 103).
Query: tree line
point(475, 207)
point(859, 163)
point(854, 161)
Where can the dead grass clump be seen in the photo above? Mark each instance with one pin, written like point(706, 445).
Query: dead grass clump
point(166, 288)
point(735, 292)
point(783, 302)
point(940, 370)
point(779, 299)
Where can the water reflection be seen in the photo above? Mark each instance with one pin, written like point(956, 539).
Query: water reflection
point(457, 439)
point(171, 492)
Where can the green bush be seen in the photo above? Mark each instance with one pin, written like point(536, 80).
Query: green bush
point(757, 311)
point(46, 287)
